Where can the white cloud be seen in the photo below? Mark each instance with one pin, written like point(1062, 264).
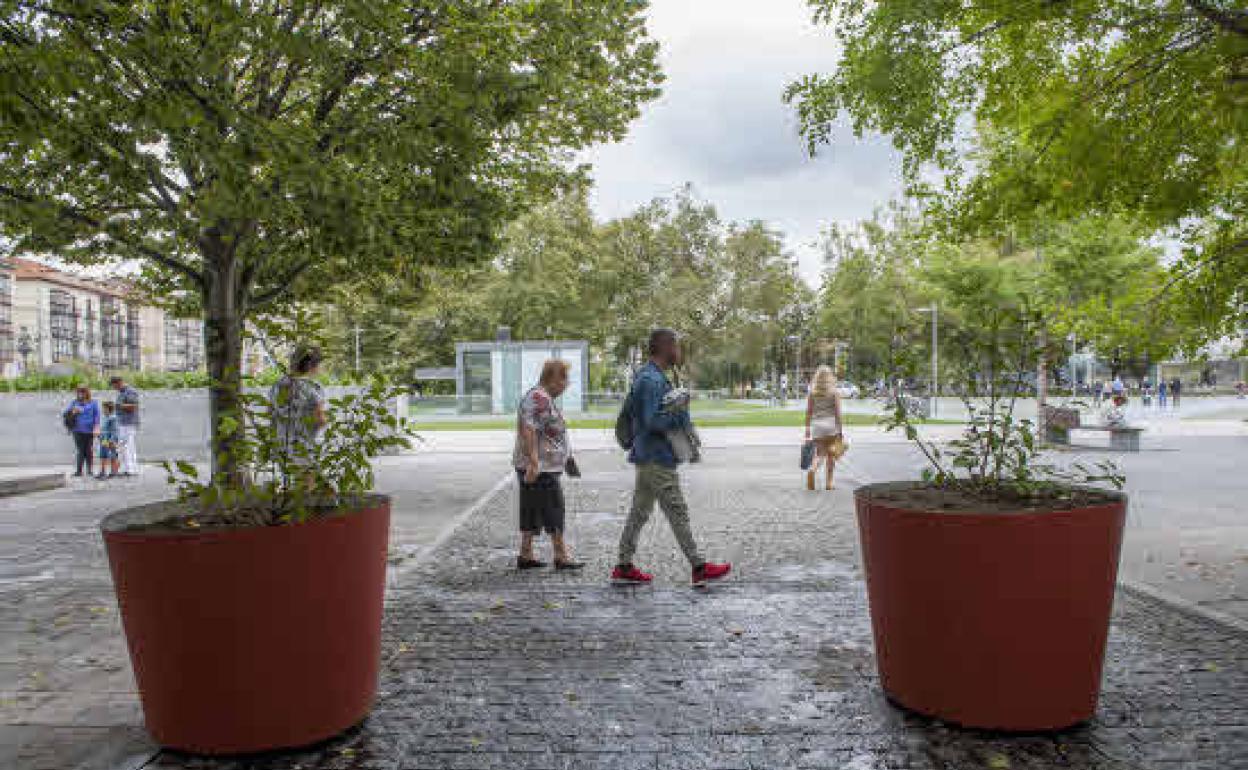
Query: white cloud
point(722, 125)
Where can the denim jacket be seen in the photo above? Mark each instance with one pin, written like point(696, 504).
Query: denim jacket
point(650, 421)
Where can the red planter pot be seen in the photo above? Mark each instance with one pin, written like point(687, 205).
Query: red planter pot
point(992, 620)
point(253, 639)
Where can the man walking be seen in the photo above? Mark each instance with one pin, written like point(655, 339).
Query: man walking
point(654, 414)
point(1176, 389)
point(127, 410)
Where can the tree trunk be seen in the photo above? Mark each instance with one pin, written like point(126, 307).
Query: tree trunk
point(223, 328)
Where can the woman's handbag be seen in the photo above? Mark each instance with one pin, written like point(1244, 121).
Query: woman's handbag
point(808, 454)
point(571, 468)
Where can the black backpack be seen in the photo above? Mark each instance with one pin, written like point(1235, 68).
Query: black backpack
point(70, 419)
point(624, 435)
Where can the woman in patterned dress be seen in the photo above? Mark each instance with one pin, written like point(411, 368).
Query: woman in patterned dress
point(298, 404)
point(540, 457)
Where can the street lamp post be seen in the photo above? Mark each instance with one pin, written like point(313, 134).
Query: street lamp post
point(931, 411)
point(1073, 351)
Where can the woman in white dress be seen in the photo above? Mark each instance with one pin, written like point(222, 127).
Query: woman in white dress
point(823, 425)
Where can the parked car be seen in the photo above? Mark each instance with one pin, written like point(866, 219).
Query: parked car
point(848, 390)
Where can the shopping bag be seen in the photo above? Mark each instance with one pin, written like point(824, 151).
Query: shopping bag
point(808, 454)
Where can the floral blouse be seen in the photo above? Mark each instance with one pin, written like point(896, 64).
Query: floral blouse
point(538, 411)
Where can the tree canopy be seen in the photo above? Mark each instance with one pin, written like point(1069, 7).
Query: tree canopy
point(1092, 278)
point(729, 287)
point(255, 150)
point(1018, 114)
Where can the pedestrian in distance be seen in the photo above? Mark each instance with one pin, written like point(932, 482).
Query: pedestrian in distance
point(82, 419)
point(1096, 394)
point(108, 442)
point(1176, 390)
point(823, 425)
point(541, 456)
point(645, 421)
point(1163, 391)
point(1115, 414)
point(127, 409)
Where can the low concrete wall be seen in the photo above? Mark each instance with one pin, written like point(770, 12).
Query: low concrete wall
point(174, 426)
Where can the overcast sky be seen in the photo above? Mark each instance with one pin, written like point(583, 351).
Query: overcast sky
point(721, 124)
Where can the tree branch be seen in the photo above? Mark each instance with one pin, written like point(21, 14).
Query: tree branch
point(281, 285)
point(1228, 20)
point(71, 214)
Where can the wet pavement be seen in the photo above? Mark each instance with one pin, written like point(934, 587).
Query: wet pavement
point(490, 668)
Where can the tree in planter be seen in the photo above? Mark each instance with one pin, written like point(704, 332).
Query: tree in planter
point(991, 580)
point(994, 327)
point(252, 152)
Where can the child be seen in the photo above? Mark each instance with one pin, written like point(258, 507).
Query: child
point(108, 442)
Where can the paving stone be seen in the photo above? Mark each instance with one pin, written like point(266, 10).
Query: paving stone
point(489, 668)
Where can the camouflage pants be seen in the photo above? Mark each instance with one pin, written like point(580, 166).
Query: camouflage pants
point(662, 484)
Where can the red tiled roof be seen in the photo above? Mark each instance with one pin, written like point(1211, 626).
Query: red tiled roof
point(30, 270)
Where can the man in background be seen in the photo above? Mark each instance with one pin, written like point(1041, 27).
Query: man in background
point(654, 415)
point(126, 407)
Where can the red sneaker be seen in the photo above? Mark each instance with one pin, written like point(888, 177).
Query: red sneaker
point(710, 571)
point(630, 575)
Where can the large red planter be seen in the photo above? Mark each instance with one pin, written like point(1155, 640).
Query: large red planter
point(991, 620)
point(253, 639)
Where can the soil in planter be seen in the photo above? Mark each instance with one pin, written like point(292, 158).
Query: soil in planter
point(180, 517)
point(922, 496)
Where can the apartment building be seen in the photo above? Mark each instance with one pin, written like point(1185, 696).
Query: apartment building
point(56, 317)
point(8, 340)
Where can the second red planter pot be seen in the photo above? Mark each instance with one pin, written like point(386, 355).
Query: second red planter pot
point(991, 620)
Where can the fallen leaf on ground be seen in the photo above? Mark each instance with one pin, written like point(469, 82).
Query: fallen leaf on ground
point(999, 762)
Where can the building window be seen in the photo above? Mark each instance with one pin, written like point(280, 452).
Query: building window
point(6, 314)
point(478, 381)
point(112, 334)
point(184, 344)
point(89, 326)
point(134, 350)
point(63, 319)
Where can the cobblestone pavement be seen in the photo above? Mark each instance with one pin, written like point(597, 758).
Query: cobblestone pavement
point(489, 668)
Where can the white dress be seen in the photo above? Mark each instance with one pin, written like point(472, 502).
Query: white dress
point(823, 422)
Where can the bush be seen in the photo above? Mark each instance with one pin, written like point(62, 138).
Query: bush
point(39, 382)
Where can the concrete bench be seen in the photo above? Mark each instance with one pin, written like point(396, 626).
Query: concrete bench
point(1121, 437)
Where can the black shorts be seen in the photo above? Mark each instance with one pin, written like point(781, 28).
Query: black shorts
point(541, 503)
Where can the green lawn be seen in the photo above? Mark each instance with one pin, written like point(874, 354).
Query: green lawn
point(744, 419)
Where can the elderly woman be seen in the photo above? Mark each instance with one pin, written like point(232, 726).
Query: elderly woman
point(823, 425)
point(540, 458)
